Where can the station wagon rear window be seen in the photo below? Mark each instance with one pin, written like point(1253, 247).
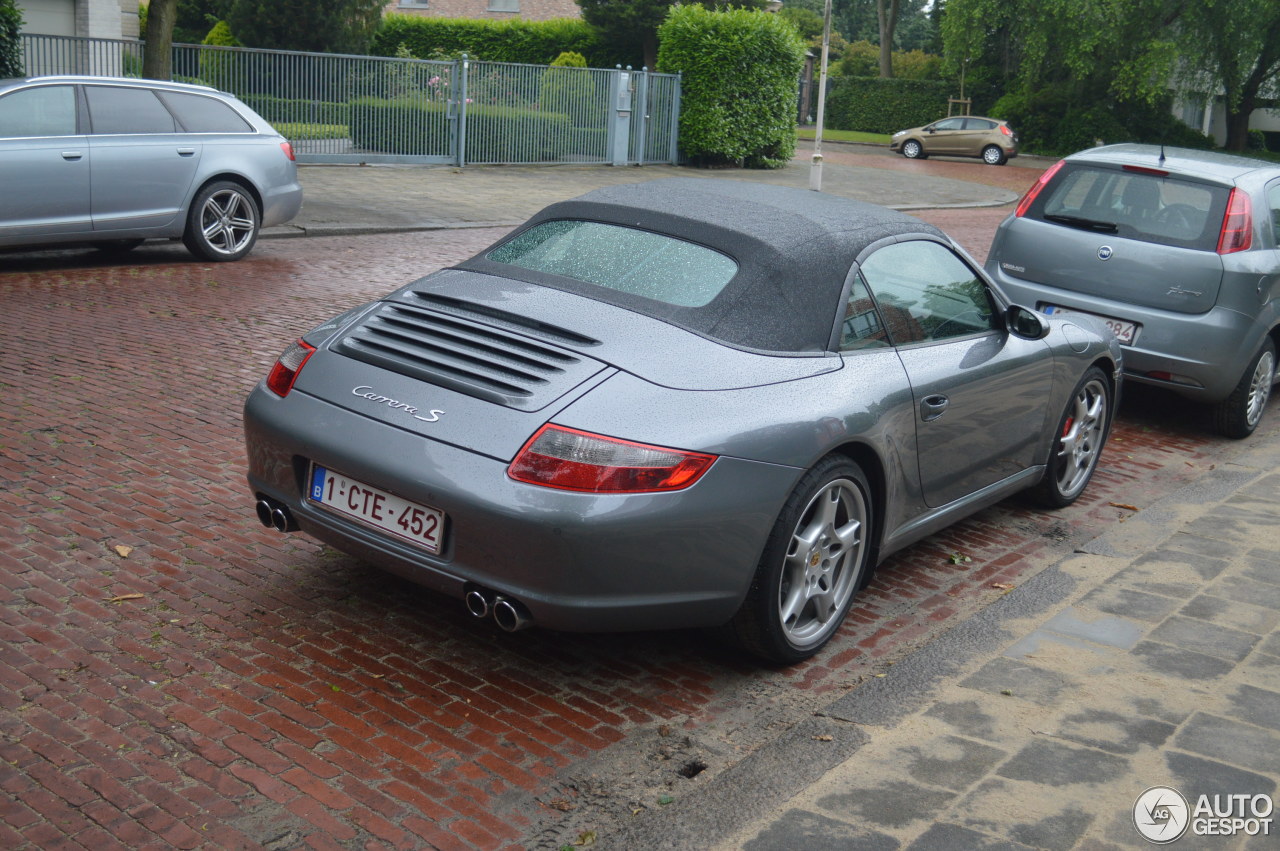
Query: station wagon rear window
point(638, 262)
point(1142, 205)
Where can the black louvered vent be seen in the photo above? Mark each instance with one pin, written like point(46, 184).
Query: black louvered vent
point(484, 361)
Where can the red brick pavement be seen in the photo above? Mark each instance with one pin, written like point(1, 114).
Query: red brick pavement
point(173, 675)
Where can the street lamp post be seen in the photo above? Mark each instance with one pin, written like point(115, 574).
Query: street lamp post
point(815, 170)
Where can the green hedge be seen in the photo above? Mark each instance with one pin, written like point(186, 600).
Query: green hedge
point(738, 95)
point(10, 43)
point(1051, 122)
point(276, 109)
point(494, 133)
point(874, 105)
point(515, 40)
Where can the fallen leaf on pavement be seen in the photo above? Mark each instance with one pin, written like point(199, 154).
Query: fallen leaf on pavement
point(1124, 505)
point(123, 551)
point(120, 598)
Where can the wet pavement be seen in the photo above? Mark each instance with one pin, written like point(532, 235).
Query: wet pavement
point(173, 675)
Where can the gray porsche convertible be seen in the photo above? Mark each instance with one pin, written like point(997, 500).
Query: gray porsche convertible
point(682, 403)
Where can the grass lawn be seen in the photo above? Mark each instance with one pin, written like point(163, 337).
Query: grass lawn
point(294, 130)
point(829, 135)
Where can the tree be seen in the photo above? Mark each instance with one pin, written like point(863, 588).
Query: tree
point(633, 24)
point(197, 17)
point(887, 18)
point(10, 44)
point(1231, 45)
point(322, 26)
point(157, 58)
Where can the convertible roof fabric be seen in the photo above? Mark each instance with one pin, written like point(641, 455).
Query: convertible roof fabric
point(794, 249)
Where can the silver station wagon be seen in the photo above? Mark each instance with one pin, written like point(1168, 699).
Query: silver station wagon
point(112, 162)
point(1176, 251)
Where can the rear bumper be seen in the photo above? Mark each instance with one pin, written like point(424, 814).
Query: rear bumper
point(578, 562)
point(1210, 349)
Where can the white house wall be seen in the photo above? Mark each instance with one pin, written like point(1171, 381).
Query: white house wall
point(92, 18)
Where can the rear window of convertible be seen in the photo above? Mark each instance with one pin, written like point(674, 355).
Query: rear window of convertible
point(638, 262)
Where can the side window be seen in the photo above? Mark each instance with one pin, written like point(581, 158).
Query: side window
point(43, 111)
point(1273, 203)
point(950, 124)
point(126, 110)
point(200, 114)
point(861, 327)
point(927, 293)
point(979, 124)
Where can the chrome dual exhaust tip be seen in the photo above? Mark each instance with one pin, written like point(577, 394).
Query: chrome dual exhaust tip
point(509, 614)
point(274, 515)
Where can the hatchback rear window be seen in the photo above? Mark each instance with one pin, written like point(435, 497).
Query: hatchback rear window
point(638, 262)
point(1141, 205)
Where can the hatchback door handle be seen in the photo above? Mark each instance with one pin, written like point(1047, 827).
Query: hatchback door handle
point(72, 155)
point(186, 152)
point(933, 407)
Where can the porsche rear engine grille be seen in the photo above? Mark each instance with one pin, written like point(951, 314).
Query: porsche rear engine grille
point(479, 360)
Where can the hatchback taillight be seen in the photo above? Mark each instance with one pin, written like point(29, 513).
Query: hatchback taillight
point(286, 370)
point(568, 459)
point(1237, 224)
point(1004, 128)
point(288, 151)
point(1036, 187)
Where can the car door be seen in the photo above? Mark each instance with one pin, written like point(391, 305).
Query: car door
point(945, 136)
point(44, 165)
point(980, 393)
point(144, 164)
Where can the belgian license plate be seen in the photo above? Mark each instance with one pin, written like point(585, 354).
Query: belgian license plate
point(1125, 331)
point(409, 521)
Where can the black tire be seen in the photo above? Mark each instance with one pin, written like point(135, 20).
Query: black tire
point(1238, 415)
point(118, 246)
point(816, 558)
point(913, 150)
point(992, 155)
point(223, 222)
point(1077, 443)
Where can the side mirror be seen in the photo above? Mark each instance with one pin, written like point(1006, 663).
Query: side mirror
point(1026, 323)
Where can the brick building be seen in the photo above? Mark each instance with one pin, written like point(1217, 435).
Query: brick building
point(530, 10)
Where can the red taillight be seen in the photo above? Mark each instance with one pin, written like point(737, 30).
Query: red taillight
point(286, 370)
point(288, 151)
point(1237, 224)
point(564, 458)
point(1004, 128)
point(1036, 187)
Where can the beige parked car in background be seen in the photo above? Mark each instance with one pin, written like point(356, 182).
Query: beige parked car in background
point(962, 136)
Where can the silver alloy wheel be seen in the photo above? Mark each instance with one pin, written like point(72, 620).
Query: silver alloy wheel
point(228, 221)
point(992, 155)
point(911, 149)
point(819, 573)
point(1260, 388)
point(1080, 443)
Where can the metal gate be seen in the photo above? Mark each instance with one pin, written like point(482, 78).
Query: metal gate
point(365, 109)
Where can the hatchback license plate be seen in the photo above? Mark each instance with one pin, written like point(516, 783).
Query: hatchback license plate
point(418, 524)
point(1125, 332)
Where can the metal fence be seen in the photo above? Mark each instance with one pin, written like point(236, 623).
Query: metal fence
point(366, 109)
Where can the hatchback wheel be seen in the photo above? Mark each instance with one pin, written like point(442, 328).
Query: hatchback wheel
point(913, 150)
point(223, 222)
point(992, 155)
point(1077, 443)
point(1239, 414)
point(816, 558)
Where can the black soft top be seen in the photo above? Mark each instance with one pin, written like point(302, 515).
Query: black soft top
point(794, 248)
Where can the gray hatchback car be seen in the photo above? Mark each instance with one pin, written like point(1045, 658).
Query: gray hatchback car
point(1176, 251)
point(113, 161)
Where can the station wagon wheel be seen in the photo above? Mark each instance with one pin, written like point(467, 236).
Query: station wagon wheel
point(913, 150)
point(816, 558)
point(222, 223)
point(992, 155)
point(1077, 442)
point(1239, 414)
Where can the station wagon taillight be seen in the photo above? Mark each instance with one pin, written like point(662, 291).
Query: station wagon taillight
point(1037, 187)
point(288, 151)
point(286, 370)
point(1237, 224)
point(568, 459)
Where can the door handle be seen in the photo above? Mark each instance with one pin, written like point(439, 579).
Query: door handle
point(186, 152)
point(933, 407)
point(72, 155)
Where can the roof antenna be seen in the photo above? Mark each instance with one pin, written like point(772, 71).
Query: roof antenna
point(1161, 154)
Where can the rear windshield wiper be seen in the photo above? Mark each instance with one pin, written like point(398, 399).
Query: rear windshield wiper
point(1084, 224)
